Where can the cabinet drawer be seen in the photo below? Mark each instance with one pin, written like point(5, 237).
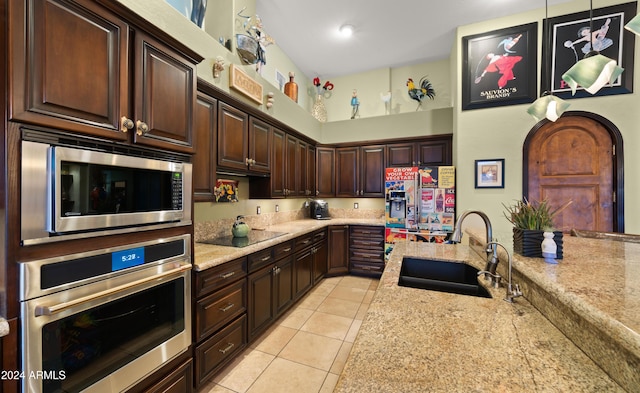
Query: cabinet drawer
point(282, 250)
point(366, 243)
point(367, 231)
point(304, 241)
point(320, 235)
point(371, 255)
point(260, 259)
point(364, 267)
point(219, 308)
point(215, 352)
point(217, 277)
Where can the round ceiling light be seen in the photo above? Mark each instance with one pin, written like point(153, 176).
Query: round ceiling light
point(346, 30)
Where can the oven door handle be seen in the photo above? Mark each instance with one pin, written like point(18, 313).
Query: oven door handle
point(50, 310)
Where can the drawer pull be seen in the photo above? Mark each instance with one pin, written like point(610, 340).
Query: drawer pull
point(265, 259)
point(227, 307)
point(306, 241)
point(227, 348)
point(227, 275)
point(287, 249)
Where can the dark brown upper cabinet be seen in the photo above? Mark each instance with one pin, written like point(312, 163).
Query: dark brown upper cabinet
point(435, 150)
point(79, 67)
point(360, 171)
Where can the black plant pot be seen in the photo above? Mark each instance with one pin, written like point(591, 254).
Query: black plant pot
point(528, 242)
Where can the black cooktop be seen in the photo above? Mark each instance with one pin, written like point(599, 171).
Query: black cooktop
point(252, 238)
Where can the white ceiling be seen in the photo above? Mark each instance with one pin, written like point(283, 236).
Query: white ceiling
point(387, 33)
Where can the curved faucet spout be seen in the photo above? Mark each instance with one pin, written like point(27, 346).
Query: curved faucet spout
point(456, 237)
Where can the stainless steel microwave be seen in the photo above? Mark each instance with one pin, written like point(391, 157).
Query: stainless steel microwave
point(73, 192)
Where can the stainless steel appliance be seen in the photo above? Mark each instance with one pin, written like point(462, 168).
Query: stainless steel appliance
point(398, 201)
point(77, 187)
point(101, 321)
point(319, 209)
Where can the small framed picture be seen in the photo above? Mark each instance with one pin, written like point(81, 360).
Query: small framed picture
point(490, 173)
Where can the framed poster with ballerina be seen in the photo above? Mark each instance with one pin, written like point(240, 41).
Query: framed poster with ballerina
point(500, 67)
point(567, 40)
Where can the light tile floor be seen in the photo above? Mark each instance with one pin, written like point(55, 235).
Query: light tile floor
point(306, 349)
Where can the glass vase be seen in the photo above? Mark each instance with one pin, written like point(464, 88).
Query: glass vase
point(318, 110)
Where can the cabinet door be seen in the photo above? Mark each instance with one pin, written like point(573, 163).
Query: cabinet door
point(279, 162)
point(204, 159)
point(311, 171)
point(347, 171)
point(321, 253)
point(401, 155)
point(261, 309)
point(233, 138)
point(165, 96)
point(326, 172)
point(436, 152)
point(372, 166)
point(303, 271)
point(283, 284)
point(338, 258)
point(69, 66)
point(259, 146)
point(301, 167)
point(291, 182)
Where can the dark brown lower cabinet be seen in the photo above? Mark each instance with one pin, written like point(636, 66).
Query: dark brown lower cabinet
point(215, 352)
point(219, 317)
point(366, 250)
point(338, 258)
point(175, 376)
point(270, 288)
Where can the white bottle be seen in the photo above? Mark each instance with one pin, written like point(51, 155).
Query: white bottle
point(549, 248)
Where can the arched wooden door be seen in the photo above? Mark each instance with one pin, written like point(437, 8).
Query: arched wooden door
point(578, 158)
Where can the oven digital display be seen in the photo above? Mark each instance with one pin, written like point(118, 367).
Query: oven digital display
point(127, 258)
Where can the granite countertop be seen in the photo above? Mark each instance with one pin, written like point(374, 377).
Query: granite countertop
point(207, 255)
point(414, 340)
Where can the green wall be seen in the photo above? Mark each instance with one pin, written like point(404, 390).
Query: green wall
point(500, 132)
point(478, 134)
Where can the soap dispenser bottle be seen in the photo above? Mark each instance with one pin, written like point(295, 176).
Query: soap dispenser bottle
point(549, 247)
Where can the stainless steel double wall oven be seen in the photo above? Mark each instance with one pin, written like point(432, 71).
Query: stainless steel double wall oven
point(102, 320)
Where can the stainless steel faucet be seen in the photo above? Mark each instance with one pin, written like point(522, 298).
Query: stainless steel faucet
point(491, 249)
point(513, 290)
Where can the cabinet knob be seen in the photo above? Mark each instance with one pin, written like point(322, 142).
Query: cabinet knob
point(141, 128)
point(317, 192)
point(126, 124)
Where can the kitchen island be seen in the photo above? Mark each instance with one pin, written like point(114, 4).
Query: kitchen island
point(414, 340)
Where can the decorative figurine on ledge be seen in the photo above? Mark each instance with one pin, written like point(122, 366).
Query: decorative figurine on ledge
point(421, 93)
point(252, 46)
point(355, 104)
point(269, 100)
point(218, 67)
point(386, 99)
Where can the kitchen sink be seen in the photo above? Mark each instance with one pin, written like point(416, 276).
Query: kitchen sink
point(443, 276)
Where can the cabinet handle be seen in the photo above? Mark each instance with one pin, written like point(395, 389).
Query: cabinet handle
point(227, 275)
point(317, 192)
point(141, 128)
point(287, 249)
point(306, 241)
point(227, 348)
point(227, 307)
point(265, 259)
point(126, 124)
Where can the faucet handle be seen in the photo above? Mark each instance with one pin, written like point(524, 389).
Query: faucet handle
point(495, 278)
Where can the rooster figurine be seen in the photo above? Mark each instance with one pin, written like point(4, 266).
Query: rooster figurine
point(424, 91)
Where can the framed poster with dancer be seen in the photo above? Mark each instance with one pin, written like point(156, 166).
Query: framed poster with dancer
point(568, 38)
point(500, 67)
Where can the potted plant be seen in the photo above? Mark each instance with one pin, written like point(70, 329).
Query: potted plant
point(530, 221)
